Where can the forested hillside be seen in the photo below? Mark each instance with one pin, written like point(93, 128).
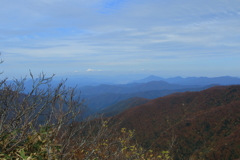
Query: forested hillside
point(122, 106)
point(200, 125)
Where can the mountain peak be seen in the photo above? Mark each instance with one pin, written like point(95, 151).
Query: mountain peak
point(149, 79)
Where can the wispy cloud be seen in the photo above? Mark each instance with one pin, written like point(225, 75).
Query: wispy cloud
point(93, 70)
point(121, 34)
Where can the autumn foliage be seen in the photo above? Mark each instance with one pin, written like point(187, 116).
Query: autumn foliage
point(195, 125)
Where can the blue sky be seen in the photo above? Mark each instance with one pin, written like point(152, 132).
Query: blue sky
point(106, 37)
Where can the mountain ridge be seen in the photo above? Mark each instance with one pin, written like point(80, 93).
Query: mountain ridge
point(136, 87)
point(222, 80)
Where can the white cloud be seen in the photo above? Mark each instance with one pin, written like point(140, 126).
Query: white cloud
point(90, 70)
point(93, 70)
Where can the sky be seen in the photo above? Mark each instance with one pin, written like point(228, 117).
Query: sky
point(109, 37)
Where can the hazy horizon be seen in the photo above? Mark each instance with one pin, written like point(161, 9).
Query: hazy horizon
point(109, 37)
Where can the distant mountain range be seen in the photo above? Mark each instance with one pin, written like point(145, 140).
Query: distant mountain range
point(82, 81)
point(133, 87)
point(87, 80)
point(224, 80)
point(94, 80)
point(102, 96)
point(105, 93)
point(193, 125)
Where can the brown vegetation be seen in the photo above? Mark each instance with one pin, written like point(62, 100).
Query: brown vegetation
point(197, 125)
